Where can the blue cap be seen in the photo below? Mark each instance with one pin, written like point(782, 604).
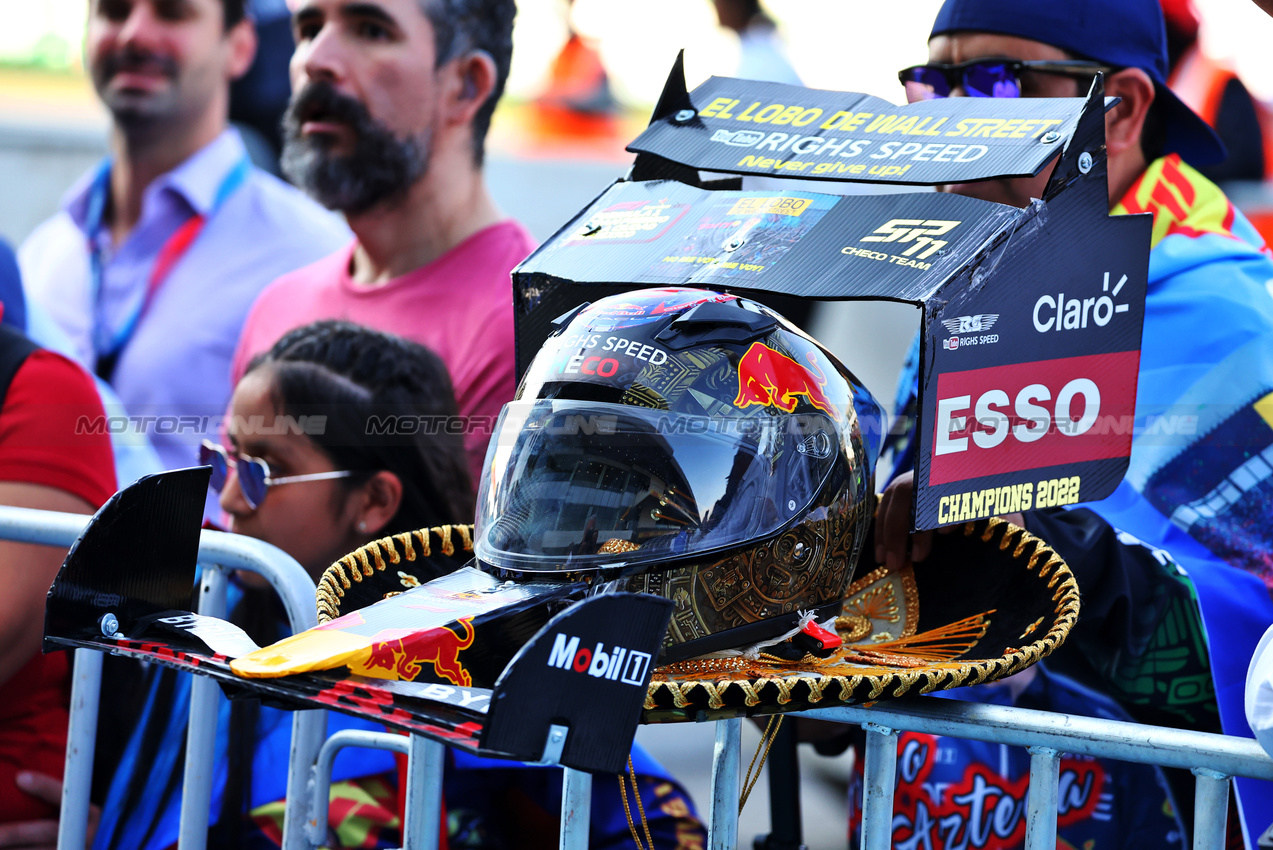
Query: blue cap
point(1125, 34)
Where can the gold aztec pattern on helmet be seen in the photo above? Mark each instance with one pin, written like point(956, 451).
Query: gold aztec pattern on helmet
point(811, 561)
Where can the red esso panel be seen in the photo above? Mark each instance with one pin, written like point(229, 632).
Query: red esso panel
point(1031, 415)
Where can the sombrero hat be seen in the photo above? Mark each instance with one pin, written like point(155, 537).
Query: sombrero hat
point(991, 600)
point(391, 565)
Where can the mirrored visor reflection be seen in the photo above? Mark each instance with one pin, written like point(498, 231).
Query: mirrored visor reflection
point(575, 483)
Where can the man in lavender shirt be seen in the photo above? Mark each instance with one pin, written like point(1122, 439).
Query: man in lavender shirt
point(156, 255)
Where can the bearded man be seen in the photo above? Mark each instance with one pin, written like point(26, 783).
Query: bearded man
point(391, 103)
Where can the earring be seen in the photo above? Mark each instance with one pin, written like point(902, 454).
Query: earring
point(362, 526)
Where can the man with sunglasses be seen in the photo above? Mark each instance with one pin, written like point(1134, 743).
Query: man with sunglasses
point(1168, 636)
point(1123, 41)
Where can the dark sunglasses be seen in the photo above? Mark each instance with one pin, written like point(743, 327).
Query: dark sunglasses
point(254, 473)
point(986, 77)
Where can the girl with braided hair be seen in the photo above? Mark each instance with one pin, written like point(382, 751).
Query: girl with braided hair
point(317, 424)
point(357, 433)
point(375, 412)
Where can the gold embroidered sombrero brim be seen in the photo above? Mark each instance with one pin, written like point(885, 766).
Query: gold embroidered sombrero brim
point(990, 601)
point(390, 565)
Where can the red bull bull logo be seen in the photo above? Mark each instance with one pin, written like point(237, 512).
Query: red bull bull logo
point(402, 653)
point(771, 378)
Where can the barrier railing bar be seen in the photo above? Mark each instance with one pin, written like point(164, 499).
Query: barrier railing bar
point(295, 588)
point(230, 551)
point(879, 779)
point(81, 738)
point(425, 763)
point(1040, 824)
point(51, 528)
point(726, 767)
point(1025, 727)
point(201, 731)
point(317, 827)
point(576, 809)
point(1210, 809)
point(289, 580)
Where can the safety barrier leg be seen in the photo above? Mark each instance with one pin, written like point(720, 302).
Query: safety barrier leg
point(424, 794)
point(1040, 824)
point(81, 739)
point(880, 774)
point(426, 761)
point(201, 734)
point(1210, 809)
point(309, 729)
point(726, 765)
point(576, 809)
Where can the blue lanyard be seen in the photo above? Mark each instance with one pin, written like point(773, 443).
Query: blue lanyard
point(105, 345)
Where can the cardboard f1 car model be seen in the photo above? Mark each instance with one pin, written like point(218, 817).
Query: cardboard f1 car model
point(686, 478)
point(127, 581)
point(1031, 318)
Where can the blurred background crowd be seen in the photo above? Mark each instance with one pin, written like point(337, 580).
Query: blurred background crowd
point(584, 77)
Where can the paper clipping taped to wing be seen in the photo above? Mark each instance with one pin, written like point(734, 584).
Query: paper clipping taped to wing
point(222, 637)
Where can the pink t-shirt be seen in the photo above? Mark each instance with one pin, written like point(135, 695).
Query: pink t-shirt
point(460, 306)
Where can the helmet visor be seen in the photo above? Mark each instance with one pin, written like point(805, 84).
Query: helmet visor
point(570, 485)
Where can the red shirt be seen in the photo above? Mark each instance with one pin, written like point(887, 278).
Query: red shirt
point(46, 437)
point(47, 433)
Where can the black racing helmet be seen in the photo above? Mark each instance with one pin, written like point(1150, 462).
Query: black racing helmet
point(691, 444)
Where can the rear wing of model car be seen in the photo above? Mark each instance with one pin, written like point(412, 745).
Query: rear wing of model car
point(125, 589)
point(1031, 318)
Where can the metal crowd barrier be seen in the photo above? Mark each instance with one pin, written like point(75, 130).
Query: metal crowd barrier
point(1213, 758)
point(218, 552)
